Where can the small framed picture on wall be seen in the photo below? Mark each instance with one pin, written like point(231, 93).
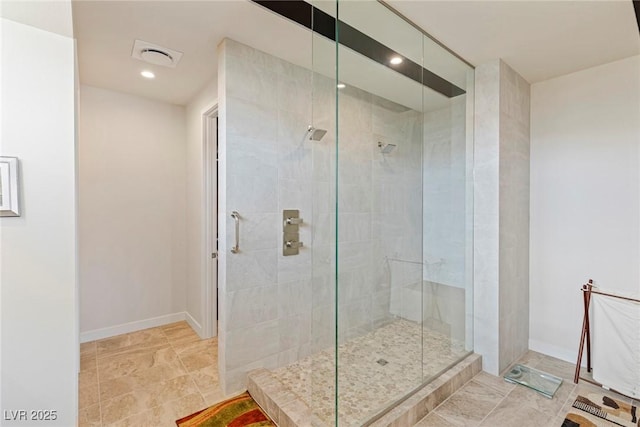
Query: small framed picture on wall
point(9, 190)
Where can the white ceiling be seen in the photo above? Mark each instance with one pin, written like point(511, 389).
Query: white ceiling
point(106, 31)
point(53, 16)
point(540, 39)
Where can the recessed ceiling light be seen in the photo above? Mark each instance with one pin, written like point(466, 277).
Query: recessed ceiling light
point(147, 74)
point(341, 85)
point(395, 60)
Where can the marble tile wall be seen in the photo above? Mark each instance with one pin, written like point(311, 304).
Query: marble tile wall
point(446, 208)
point(444, 188)
point(391, 213)
point(275, 310)
point(501, 215)
point(514, 215)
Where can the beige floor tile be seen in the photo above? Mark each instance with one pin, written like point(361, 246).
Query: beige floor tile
point(434, 420)
point(115, 367)
point(186, 405)
point(144, 400)
point(214, 397)
point(557, 367)
point(138, 401)
point(175, 388)
point(206, 379)
point(469, 405)
point(147, 337)
point(180, 333)
point(123, 406)
point(187, 338)
point(87, 378)
point(159, 416)
point(88, 396)
point(134, 349)
point(496, 383)
point(88, 348)
point(584, 388)
point(87, 362)
point(89, 416)
point(511, 412)
point(531, 358)
point(141, 400)
point(535, 400)
point(164, 415)
point(175, 326)
point(140, 380)
point(556, 422)
point(196, 361)
point(201, 346)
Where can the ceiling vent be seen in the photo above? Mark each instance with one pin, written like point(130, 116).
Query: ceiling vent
point(154, 54)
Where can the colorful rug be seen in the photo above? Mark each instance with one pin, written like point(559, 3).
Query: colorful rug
point(596, 410)
point(239, 411)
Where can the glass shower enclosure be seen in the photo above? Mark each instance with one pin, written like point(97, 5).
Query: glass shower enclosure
point(391, 226)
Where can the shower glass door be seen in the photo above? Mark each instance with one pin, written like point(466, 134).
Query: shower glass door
point(322, 365)
point(447, 197)
point(391, 236)
point(379, 210)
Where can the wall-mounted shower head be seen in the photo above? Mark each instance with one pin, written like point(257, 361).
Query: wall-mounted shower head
point(316, 134)
point(386, 148)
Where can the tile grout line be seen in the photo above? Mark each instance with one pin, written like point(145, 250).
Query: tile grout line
point(575, 387)
point(98, 381)
point(115, 355)
point(185, 368)
point(494, 408)
point(501, 400)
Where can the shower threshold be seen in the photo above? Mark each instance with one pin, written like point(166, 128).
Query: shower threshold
point(370, 392)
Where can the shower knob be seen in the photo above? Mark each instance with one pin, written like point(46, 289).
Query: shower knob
point(293, 244)
point(294, 221)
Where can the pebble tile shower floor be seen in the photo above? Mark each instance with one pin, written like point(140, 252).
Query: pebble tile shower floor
point(365, 385)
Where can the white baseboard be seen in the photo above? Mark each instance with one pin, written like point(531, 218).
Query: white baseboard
point(111, 331)
point(194, 324)
point(554, 351)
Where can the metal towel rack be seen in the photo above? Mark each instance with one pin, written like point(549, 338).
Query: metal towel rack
point(236, 216)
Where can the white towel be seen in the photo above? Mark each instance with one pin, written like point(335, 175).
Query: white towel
point(616, 344)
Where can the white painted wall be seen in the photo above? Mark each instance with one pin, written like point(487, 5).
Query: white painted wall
point(39, 349)
point(585, 147)
point(196, 238)
point(132, 212)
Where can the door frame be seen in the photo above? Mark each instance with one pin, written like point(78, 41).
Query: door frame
point(209, 295)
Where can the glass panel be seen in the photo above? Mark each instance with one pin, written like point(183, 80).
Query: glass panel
point(322, 364)
point(448, 211)
point(379, 211)
point(391, 235)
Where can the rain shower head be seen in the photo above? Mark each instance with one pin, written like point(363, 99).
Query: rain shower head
point(316, 134)
point(386, 148)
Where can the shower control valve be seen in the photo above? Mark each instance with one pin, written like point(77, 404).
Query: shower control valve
point(293, 244)
point(293, 221)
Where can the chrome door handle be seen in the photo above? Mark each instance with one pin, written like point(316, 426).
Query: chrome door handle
point(236, 216)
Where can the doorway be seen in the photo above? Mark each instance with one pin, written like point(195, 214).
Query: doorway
point(210, 222)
